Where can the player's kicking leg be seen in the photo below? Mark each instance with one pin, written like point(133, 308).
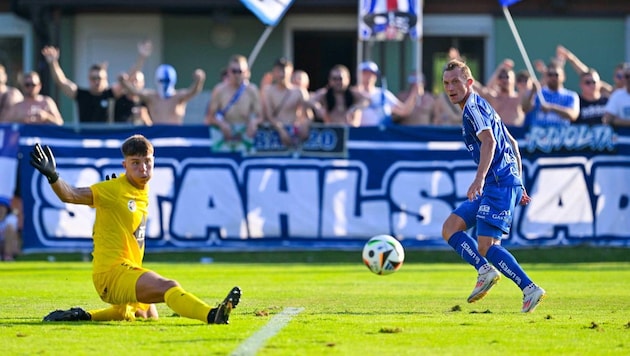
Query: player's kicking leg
point(221, 314)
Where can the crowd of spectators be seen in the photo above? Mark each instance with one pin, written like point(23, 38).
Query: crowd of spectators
point(285, 101)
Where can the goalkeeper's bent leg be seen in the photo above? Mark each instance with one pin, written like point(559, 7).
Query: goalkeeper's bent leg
point(186, 304)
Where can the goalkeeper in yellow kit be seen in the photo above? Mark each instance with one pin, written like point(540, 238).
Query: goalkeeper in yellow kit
point(119, 230)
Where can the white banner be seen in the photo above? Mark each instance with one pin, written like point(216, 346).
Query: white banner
point(270, 12)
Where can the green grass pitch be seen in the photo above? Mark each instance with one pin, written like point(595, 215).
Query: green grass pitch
point(419, 310)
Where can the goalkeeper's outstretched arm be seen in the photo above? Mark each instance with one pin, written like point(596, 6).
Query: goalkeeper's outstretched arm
point(44, 161)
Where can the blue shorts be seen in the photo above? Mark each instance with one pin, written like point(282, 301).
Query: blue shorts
point(492, 213)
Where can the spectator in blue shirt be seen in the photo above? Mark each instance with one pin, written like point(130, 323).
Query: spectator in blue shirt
point(561, 106)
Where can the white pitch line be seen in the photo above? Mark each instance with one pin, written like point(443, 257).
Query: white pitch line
point(256, 341)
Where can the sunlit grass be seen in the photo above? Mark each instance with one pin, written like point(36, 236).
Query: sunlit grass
point(420, 310)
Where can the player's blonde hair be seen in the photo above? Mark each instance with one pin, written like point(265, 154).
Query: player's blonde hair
point(456, 63)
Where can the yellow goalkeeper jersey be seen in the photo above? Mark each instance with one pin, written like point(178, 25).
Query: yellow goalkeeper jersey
point(121, 219)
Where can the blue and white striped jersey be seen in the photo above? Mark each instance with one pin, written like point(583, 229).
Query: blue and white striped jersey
point(563, 97)
point(478, 115)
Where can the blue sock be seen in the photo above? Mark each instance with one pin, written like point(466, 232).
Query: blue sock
point(466, 247)
point(507, 264)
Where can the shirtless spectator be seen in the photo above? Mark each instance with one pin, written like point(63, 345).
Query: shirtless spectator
point(129, 108)
point(35, 108)
point(501, 94)
point(284, 105)
point(167, 105)
point(446, 113)
point(337, 103)
point(235, 106)
point(9, 96)
point(300, 79)
point(422, 113)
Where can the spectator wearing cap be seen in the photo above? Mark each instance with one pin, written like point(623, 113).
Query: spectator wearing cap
point(382, 102)
point(617, 110)
point(9, 244)
point(422, 112)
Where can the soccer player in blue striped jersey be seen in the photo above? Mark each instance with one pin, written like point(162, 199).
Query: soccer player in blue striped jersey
point(492, 196)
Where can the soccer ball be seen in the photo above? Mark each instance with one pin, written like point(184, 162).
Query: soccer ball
point(383, 254)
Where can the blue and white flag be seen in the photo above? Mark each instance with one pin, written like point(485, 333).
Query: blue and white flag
point(270, 12)
point(508, 2)
point(390, 20)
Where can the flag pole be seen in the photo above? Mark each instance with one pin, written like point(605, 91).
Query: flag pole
point(418, 43)
point(521, 48)
point(261, 41)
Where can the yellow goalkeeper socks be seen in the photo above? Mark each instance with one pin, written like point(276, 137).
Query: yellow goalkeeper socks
point(186, 304)
point(113, 313)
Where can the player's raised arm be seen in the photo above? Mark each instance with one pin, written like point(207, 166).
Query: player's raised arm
point(44, 161)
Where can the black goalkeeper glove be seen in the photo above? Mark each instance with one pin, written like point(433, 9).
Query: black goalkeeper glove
point(44, 161)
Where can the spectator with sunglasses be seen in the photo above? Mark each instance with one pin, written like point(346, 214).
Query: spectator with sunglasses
point(592, 102)
point(35, 108)
point(501, 94)
point(561, 106)
point(235, 106)
point(617, 110)
point(338, 103)
point(564, 55)
point(96, 104)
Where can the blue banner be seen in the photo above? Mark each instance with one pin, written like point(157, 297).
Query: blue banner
point(9, 136)
point(402, 181)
